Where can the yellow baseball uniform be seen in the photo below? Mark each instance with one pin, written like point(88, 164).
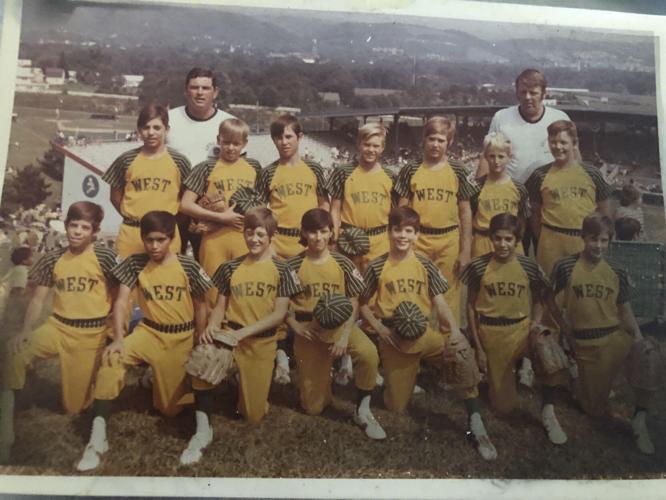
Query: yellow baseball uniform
point(76, 330)
point(251, 289)
point(565, 195)
point(336, 274)
point(389, 282)
point(434, 195)
point(163, 338)
point(290, 191)
point(590, 294)
point(147, 184)
point(209, 178)
point(504, 298)
point(367, 199)
point(493, 198)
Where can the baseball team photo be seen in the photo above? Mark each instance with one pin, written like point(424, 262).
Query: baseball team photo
point(246, 242)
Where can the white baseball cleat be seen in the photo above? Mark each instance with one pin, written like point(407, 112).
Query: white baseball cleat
point(552, 426)
point(281, 376)
point(92, 456)
point(146, 380)
point(379, 381)
point(641, 434)
point(418, 390)
point(194, 451)
point(526, 373)
point(366, 421)
point(484, 446)
point(346, 371)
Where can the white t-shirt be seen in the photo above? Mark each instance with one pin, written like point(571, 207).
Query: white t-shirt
point(196, 139)
point(529, 140)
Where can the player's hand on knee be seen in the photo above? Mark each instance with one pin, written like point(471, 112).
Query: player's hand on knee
point(18, 343)
point(115, 349)
point(339, 348)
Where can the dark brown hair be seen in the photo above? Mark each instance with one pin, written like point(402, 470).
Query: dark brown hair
point(314, 219)
point(283, 121)
point(507, 222)
point(158, 221)
point(404, 216)
point(260, 217)
point(150, 112)
point(87, 211)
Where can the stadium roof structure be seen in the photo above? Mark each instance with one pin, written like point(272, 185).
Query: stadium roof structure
point(610, 112)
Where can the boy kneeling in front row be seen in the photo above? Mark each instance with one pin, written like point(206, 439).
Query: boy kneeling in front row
point(172, 299)
point(406, 286)
point(253, 299)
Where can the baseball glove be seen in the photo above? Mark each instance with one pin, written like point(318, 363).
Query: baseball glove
point(547, 353)
point(211, 362)
point(216, 202)
point(460, 368)
point(644, 365)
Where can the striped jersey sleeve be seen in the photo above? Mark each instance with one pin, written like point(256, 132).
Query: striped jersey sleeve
point(115, 174)
point(474, 199)
point(263, 181)
point(603, 190)
point(336, 183)
point(254, 164)
point(562, 272)
point(371, 277)
point(222, 276)
point(474, 272)
point(183, 164)
point(534, 182)
point(626, 286)
point(199, 281)
point(537, 278)
point(437, 283)
point(465, 188)
point(127, 272)
point(41, 273)
point(197, 180)
point(402, 184)
point(319, 174)
point(108, 259)
point(288, 284)
point(524, 201)
point(353, 278)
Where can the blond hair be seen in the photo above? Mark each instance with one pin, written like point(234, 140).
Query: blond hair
point(440, 125)
point(497, 140)
point(370, 130)
point(234, 128)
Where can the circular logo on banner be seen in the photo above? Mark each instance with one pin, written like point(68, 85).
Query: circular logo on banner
point(90, 186)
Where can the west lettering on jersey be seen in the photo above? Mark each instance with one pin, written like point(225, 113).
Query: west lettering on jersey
point(164, 292)
point(504, 289)
point(568, 193)
point(252, 289)
point(294, 189)
point(76, 284)
point(592, 291)
point(319, 289)
point(228, 185)
point(372, 197)
point(151, 184)
point(405, 285)
point(499, 205)
point(434, 194)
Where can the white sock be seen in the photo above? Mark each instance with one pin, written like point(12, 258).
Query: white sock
point(6, 417)
point(203, 424)
point(281, 358)
point(98, 434)
point(364, 405)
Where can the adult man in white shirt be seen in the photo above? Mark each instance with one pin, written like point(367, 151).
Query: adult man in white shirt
point(193, 131)
point(526, 127)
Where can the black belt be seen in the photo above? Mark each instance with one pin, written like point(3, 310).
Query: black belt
point(82, 323)
point(371, 231)
point(594, 333)
point(303, 316)
point(177, 328)
point(131, 222)
point(237, 326)
point(437, 230)
point(482, 232)
point(289, 231)
point(562, 230)
point(488, 320)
